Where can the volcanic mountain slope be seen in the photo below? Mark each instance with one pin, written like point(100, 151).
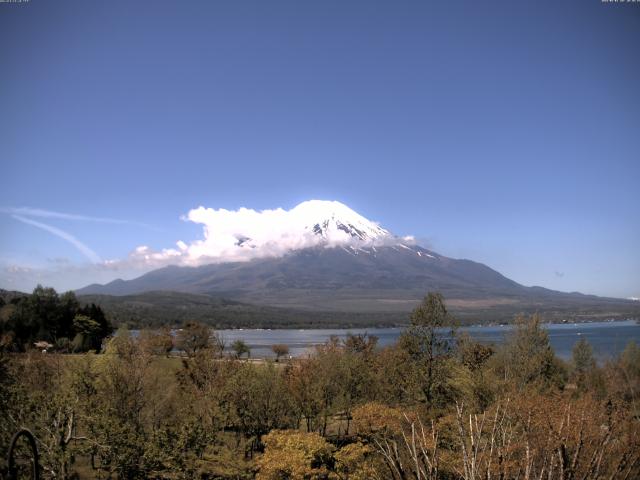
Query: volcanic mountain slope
point(326, 272)
point(355, 265)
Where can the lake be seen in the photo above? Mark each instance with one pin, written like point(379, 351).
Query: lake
point(607, 338)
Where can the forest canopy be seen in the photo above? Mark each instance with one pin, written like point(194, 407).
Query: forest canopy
point(430, 407)
point(52, 321)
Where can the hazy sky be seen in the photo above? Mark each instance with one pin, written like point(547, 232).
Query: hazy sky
point(506, 132)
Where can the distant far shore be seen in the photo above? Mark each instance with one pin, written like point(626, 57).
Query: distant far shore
point(608, 338)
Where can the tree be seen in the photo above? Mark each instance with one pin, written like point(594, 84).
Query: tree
point(624, 376)
point(96, 313)
point(240, 347)
point(118, 415)
point(582, 362)
point(474, 378)
point(295, 455)
point(45, 312)
point(426, 344)
point(46, 316)
point(360, 343)
point(259, 400)
point(529, 356)
point(8, 382)
point(157, 342)
point(46, 401)
point(69, 307)
point(193, 337)
point(374, 419)
point(305, 388)
point(87, 333)
point(357, 461)
point(280, 350)
point(473, 355)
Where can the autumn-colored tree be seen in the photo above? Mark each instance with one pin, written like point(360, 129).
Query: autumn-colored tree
point(397, 376)
point(156, 342)
point(357, 461)
point(194, 337)
point(377, 419)
point(476, 380)
point(305, 389)
point(294, 455)
point(410, 449)
point(537, 435)
point(361, 343)
point(623, 377)
point(280, 349)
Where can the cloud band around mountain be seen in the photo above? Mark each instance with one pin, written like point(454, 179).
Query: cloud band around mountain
point(244, 234)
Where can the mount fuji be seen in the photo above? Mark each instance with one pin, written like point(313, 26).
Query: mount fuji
point(322, 256)
point(335, 222)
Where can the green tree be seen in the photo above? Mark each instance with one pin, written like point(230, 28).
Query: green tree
point(118, 423)
point(46, 402)
point(96, 313)
point(46, 316)
point(69, 307)
point(260, 401)
point(87, 333)
point(582, 362)
point(427, 345)
point(478, 383)
point(529, 357)
point(240, 348)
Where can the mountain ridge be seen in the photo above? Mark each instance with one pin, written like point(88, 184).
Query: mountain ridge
point(375, 279)
point(336, 260)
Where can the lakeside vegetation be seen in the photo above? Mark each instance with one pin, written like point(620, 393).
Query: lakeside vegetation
point(423, 408)
point(154, 309)
point(164, 308)
point(158, 309)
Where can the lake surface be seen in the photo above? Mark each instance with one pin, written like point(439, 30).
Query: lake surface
point(606, 338)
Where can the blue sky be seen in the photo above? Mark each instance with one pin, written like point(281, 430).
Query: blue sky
point(504, 132)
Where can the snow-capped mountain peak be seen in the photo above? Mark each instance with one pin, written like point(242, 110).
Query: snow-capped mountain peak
point(244, 234)
point(334, 221)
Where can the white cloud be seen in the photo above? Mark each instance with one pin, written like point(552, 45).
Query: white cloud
point(244, 234)
point(227, 235)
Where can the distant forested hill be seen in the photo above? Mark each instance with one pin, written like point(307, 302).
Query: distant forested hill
point(174, 308)
point(157, 308)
